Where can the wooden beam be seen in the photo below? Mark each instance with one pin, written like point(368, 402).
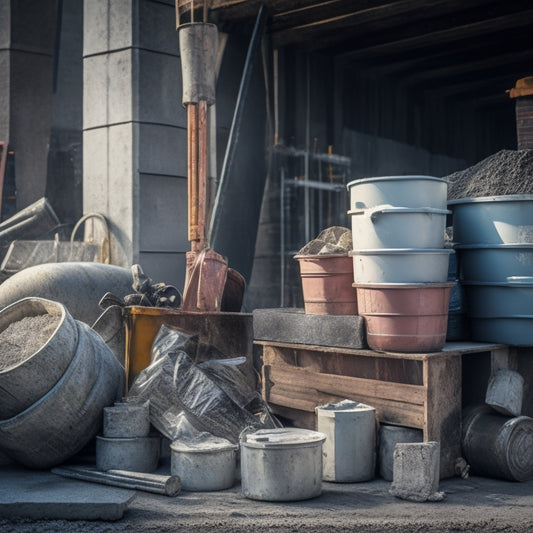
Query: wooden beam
point(424, 40)
point(367, 18)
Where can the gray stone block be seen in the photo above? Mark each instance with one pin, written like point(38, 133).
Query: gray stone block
point(107, 89)
point(159, 89)
point(157, 27)
point(95, 91)
point(95, 27)
point(416, 472)
point(36, 495)
point(294, 326)
point(389, 436)
point(163, 212)
point(505, 392)
point(162, 150)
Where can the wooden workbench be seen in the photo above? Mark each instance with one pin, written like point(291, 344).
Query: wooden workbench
point(418, 390)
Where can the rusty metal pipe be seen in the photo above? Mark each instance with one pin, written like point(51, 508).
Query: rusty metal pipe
point(192, 170)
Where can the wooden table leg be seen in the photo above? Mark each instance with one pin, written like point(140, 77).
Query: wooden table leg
point(442, 417)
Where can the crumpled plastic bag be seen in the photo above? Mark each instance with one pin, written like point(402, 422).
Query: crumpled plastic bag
point(213, 396)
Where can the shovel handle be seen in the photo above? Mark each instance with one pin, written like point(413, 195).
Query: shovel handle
point(192, 169)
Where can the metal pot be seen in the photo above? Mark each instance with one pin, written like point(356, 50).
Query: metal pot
point(404, 191)
point(281, 464)
point(398, 227)
point(204, 466)
point(493, 219)
point(401, 265)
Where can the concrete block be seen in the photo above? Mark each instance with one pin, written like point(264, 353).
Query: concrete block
point(95, 30)
point(95, 91)
point(349, 452)
point(162, 150)
point(294, 326)
point(127, 420)
point(505, 392)
point(163, 214)
point(416, 472)
point(36, 495)
point(107, 89)
point(95, 162)
point(389, 436)
point(121, 80)
point(121, 22)
point(165, 267)
point(159, 89)
point(157, 27)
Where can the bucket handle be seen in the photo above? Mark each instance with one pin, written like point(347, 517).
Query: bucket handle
point(376, 213)
point(105, 246)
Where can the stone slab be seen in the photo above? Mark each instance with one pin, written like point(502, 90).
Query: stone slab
point(37, 495)
point(292, 325)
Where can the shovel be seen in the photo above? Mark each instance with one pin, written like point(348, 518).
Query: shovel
point(206, 270)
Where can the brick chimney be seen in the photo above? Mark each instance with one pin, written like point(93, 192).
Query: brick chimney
point(523, 93)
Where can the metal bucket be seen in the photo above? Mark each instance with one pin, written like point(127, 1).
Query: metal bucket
point(281, 464)
point(402, 191)
point(349, 452)
point(493, 219)
point(398, 227)
point(327, 284)
point(401, 265)
point(204, 466)
point(65, 419)
point(496, 445)
point(494, 262)
point(27, 380)
point(405, 317)
point(135, 454)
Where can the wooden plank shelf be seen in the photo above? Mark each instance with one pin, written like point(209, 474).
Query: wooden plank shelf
point(419, 390)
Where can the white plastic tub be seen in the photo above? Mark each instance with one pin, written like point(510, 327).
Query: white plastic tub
point(398, 227)
point(402, 191)
point(401, 265)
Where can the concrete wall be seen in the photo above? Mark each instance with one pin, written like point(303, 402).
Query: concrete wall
point(27, 33)
point(134, 133)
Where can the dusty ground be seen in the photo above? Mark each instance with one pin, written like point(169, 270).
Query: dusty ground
point(474, 505)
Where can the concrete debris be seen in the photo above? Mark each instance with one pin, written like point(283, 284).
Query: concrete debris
point(416, 472)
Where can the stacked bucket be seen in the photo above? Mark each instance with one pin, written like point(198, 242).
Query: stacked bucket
point(494, 243)
point(400, 265)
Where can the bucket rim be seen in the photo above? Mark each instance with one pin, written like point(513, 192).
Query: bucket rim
point(491, 199)
point(401, 251)
point(395, 178)
point(427, 285)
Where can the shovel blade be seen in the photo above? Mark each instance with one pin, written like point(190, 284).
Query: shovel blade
point(205, 281)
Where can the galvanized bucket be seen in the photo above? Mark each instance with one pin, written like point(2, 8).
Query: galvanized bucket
point(496, 445)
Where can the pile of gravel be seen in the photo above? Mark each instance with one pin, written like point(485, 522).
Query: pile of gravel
point(21, 339)
point(335, 240)
point(505, 172)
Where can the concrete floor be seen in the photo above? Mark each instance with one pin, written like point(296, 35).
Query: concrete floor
point(475, 504)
